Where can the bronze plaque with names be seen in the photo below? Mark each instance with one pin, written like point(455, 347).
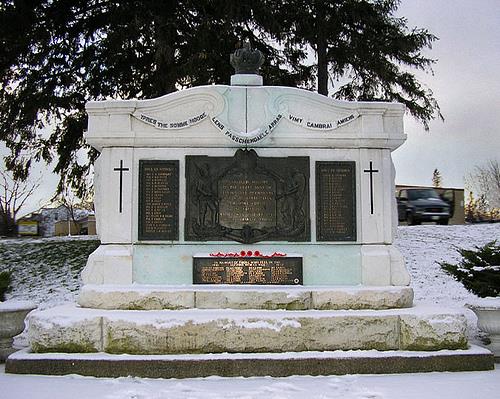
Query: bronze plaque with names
point(158, 200)
point(254, 270)
point(247, 198)
point(336, 201)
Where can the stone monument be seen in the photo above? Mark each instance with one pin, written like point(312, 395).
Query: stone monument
point(279, 170)
point(242, 220)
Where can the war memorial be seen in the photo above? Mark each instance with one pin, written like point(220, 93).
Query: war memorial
point(245, 230)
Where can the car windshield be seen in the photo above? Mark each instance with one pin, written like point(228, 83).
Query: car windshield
point(422, 194)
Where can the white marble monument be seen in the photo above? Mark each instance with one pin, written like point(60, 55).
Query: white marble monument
point(244, 219)
point(275, 122)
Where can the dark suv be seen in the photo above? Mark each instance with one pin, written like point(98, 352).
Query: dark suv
point(416, 205)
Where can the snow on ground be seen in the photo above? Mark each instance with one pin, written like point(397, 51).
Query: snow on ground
point(464, 385)
point(426, 245)
point(422, 246)
point(46, 271)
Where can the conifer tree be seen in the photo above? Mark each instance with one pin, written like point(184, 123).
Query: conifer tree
point(478, 270)
point(470, 207)
point(363, 45)
point(55, 55)
point(437, 180)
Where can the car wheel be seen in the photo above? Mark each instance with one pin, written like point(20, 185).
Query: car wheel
point(443, 222)
point(411, 220)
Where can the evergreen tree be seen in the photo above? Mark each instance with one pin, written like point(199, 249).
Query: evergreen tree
point(59, 54)
point(55, 55)
point(470, 208)
point(478, 270)
point(361, 43)
point(437, 180)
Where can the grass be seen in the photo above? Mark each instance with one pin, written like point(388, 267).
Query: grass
point(40, 268)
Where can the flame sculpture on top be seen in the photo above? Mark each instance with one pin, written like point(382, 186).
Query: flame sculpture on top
point(247, 61)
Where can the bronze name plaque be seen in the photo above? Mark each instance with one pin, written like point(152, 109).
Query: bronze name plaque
point(254, 270)
point(158, 200)
point(336, 201)
point(247, 198)
point(247, 201)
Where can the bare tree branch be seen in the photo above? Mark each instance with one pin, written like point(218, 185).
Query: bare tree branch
point(484, 180)
point(14, 195)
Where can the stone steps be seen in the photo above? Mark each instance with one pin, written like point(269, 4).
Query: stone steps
point(73, 329)
point(250, 364)
point(157, 297)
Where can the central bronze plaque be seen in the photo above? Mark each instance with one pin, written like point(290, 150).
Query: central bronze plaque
point(246, 201)
point(247, 198)
point(255, 270)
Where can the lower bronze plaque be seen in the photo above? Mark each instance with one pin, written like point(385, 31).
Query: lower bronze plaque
point(158, 200)
point(336, 201)
point(255, 270)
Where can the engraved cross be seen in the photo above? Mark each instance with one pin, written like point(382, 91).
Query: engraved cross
point(121, 169)
point(371, 171)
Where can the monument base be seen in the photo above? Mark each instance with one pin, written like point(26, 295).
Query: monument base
point(249, 364)
point(196, 331)
point(159, 297)
point(323, 264)
point(72, 329)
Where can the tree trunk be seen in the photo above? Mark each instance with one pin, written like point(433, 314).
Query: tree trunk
point(3, 224)
point(164, 77)
point(9, 224)
point(322, 65)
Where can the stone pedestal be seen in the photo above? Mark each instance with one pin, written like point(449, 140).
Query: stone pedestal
point(198, 331)
point(12, 315)
point(487, 311)
point(67, 329)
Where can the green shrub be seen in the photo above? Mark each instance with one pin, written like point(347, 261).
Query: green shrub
point(5, 279)
point(479, 270)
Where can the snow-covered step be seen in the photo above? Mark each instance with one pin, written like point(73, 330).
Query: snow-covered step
point(157, 297)
point(250, 364)
point(73, 329)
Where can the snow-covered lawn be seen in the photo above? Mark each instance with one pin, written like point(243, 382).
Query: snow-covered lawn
point(422, 246)
point(46, 271)
point(466, 385)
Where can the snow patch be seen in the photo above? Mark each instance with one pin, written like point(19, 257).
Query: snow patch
point(12, 306)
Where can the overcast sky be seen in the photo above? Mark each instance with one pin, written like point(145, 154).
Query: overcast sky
point(466, 83)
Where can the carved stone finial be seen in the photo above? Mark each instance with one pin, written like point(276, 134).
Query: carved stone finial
point(247, 61)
